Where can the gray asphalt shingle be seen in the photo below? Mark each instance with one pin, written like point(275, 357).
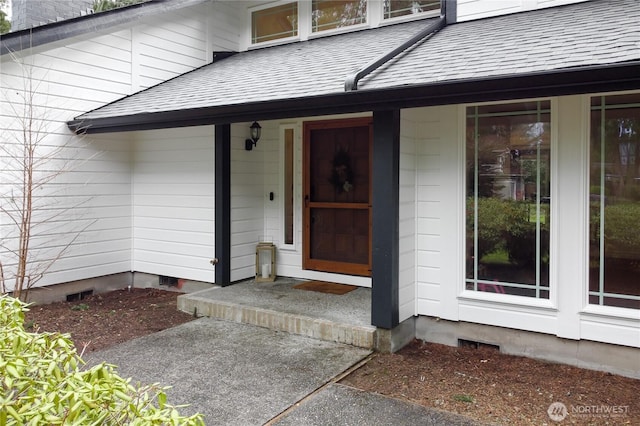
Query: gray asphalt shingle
point(593, 33)
point(598, 32)
point(294, 70)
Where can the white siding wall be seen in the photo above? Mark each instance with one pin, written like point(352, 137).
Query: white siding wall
point(407, 228)
point(100, 188)
point(169, 45)
point(173, 197)
point(247, 204)
point(89, 73)
point(76, 75)
point(438, 192)
point(475, 9)
point(224, 26)
point(273, 164)
point(94, 195)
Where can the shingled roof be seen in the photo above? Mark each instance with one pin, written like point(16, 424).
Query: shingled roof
point(598, 32)
point(567, 49)
point(301, 69)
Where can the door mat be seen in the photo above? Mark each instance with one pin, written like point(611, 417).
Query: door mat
point(325, 287)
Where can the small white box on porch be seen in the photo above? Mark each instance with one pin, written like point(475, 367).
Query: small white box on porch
point(265, 262)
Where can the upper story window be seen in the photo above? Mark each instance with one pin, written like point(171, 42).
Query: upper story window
point(397, 8)
point(286, 21)
point(327, 15)
point(274, 23)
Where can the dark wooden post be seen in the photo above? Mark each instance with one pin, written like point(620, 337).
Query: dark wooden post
point(385, 249)
point(223, 204)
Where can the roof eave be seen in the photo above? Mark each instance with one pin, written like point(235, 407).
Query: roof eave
point(592, 79)
point(56, 31)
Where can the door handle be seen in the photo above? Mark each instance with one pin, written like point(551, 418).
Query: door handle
point(306, 200)
point(214, 261)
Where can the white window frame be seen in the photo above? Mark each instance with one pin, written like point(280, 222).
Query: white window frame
point(597, 310)
point(333, 31)
point(251, 10)
point(550, 304)
point(609, 324)
point(374, 18)
point(381, 20)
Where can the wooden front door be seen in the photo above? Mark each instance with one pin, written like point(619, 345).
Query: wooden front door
point(337, 196)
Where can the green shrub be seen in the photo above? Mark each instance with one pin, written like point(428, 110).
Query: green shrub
point(522, 230)
point(492, 220)
point(621, 230)
point(509, 225)
point(44, 381)
point(104, 5)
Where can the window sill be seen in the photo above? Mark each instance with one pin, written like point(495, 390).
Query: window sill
point(507, 300)
point(409, 18)
point(611, 312)
point(276, 42)
point(341, 30)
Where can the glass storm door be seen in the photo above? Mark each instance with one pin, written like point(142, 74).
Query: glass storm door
point(337, 196)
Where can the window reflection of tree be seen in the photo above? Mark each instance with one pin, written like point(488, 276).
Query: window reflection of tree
point(508, 178)
point(614, 202)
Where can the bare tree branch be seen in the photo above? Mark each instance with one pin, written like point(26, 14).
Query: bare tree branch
point(32, 165)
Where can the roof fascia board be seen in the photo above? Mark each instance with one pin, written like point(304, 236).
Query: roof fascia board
point(56, 31)
point(564, 82)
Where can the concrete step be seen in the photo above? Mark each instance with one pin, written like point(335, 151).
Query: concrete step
point(316, 328)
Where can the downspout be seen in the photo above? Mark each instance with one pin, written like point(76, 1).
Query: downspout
point(447, 15)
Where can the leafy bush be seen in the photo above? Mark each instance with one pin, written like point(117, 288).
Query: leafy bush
point(44, 382)
point(521, 233)
point(493, 219)
point(104, 5)
point(621, 230)
point(509, 225)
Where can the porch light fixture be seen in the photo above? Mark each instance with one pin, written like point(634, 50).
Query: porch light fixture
point(256, 130)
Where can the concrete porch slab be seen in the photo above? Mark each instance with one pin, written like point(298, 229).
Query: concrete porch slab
point(280, 307)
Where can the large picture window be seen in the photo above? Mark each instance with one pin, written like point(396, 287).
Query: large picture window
point(614, 200)
point(508, 162)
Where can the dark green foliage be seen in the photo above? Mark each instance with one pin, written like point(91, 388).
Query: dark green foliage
point(492, 219)
point(104, 5)
point(621, 230)
point(509, 225)
point(5, 24)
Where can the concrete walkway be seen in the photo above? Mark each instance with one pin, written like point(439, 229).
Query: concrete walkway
point(241, 374)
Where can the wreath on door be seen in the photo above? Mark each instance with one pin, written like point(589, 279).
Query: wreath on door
point(342, 173)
